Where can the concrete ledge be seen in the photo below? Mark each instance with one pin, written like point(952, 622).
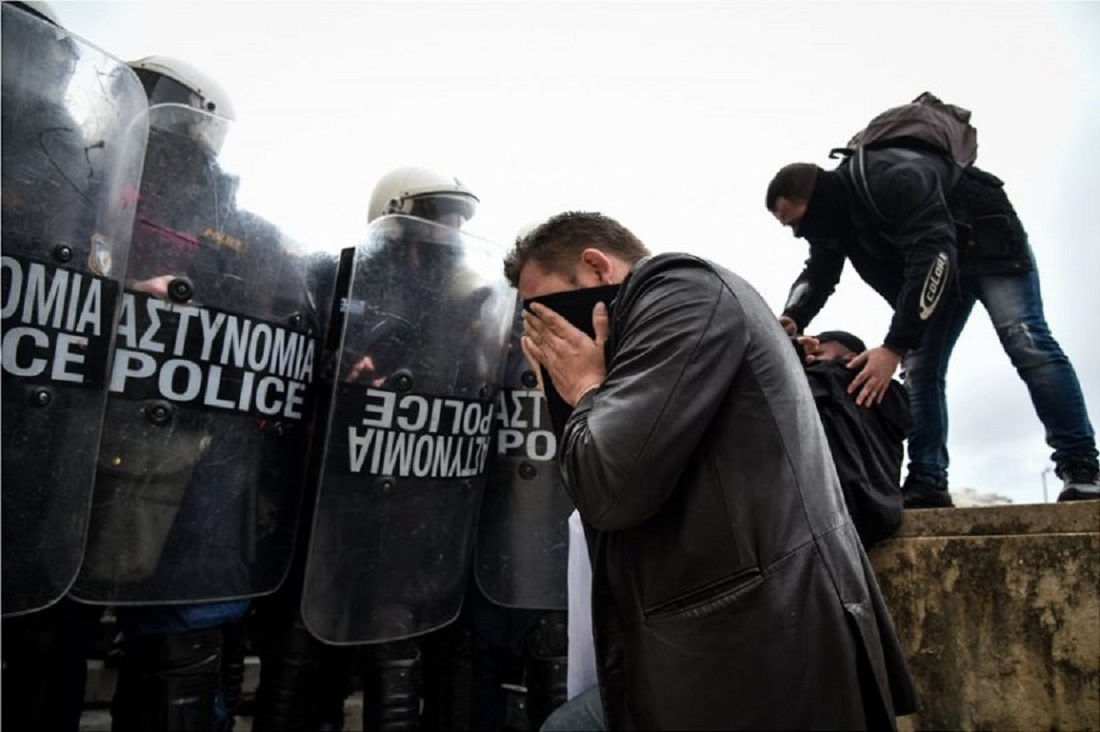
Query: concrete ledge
point(1082, 517)
point(998, 613)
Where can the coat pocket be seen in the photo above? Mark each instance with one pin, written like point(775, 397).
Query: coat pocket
point(996, 236)
point(708, 599)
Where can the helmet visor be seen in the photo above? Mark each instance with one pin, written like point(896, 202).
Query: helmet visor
point(161, 89)
point(442, 208)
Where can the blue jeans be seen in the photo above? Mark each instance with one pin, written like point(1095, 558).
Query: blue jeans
point(582, 713)
point(158, 619)
point(1015, 306)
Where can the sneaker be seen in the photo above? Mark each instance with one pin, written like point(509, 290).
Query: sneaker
point(1082, 480)
point(922, 492)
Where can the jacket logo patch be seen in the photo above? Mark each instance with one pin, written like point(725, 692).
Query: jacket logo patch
point(933, 286)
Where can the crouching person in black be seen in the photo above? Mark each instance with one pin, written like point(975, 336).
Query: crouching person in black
point(867, 443)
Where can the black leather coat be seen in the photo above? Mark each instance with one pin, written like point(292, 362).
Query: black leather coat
point(729, 586)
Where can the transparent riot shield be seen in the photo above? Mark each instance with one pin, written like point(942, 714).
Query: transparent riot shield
point(202, 460)
point(73, 139)
point(408, 439)
point(523, 532)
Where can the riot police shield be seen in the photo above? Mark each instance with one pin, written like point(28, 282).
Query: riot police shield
point(202, 459)
point(409, 433)
point(523, 533)
point(73, 142)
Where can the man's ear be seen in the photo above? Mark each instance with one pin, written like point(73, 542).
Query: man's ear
point(599, 264)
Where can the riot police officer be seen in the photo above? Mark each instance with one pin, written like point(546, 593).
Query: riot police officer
point(73, 142)
point(418, 346)
point(398, 675)
point(201, 468)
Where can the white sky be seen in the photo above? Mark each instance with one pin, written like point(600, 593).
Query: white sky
point(672, 117)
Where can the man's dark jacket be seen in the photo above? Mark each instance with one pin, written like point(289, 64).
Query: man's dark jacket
point(729, 586)
point(990, 236)
point(898, 233)
point(906, 211)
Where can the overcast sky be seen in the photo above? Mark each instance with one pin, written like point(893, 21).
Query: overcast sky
point(672, 117)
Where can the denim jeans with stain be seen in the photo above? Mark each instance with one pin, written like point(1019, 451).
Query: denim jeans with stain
point(1015, 306)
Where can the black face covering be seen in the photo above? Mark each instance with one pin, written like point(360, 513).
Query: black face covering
point(576, 307)
point(826, 214)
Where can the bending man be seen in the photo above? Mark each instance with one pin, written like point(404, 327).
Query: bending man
point(893, 213)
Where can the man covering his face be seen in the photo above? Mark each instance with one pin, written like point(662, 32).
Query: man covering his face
point(729, 587)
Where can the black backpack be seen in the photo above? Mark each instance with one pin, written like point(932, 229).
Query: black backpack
point(924, 126)
point(926, 123)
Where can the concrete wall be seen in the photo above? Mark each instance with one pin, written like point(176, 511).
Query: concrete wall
point(998, 613)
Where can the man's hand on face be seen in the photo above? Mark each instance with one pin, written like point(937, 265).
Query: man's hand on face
point(575, 361)
point(877, 367)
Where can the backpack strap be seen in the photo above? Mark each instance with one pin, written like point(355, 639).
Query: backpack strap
point(859, 175)
point(859, 179)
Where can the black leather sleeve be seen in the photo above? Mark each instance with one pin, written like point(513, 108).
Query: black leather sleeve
point(678, 336)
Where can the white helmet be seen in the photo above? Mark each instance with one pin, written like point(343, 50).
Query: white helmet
point(169, 80)
point(41, 9)
point(423, 193)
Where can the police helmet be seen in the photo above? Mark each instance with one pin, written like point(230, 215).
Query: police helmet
point(39, 8)
point(423, 193)
point(171, 81)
